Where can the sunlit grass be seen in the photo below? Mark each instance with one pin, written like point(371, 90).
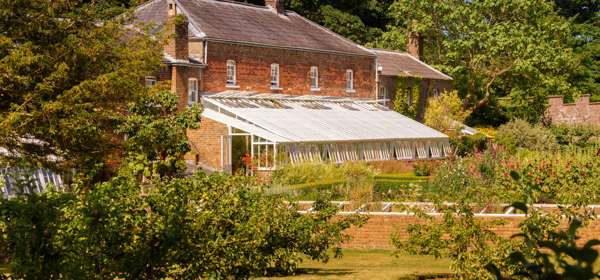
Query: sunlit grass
point(372, 264)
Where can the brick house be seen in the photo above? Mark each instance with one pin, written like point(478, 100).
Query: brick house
point(402, 71)
point(244, 62)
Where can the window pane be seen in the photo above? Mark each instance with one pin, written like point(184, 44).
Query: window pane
point(231, 72)
point(274, 75)
point(314, 77)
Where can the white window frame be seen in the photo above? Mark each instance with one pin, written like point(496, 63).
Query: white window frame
point(150, 81)
point(314, 78)
point(192, 91)
point(382, 95)
point(409, 96)
point(350, 81)
point(231, 74)
point(275, 73)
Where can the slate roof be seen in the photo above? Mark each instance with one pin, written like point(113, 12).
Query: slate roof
point(244, 23)
point(403, 64)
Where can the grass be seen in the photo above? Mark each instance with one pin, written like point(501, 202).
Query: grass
point(371, 264)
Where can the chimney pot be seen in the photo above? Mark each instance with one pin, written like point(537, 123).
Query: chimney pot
point(171, 8)
point(276, 5)
point(415, 44)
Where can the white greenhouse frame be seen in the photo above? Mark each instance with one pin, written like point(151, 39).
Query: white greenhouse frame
point(287, 129)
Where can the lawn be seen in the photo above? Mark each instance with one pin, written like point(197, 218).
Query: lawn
point(371, 264)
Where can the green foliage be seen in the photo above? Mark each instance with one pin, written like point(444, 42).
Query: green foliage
point(156, 139)
point(468, 242)
point(66, 81)
point(205, 226)
point(518, 48)
point(423, 169)
point(407, 97)
point(446, 113)
point(351, 172)
point(360, 20)
point(550, 252)
point(583, 136)
point(469, 144)
point(520, 134)
point(543, 250)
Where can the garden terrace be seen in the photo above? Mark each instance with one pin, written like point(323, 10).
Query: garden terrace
point(276, 129)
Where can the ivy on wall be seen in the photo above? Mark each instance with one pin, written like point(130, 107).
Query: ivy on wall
point(408, 93)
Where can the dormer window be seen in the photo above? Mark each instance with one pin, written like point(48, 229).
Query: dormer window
point(275, 76)
point(150, 81)
point(314, 78)
point(231, 79)
point(349, 80)
point(192, 91)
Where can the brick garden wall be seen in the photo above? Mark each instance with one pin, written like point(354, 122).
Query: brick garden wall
point(582, 111)
point(377, 232)
point(253, 67)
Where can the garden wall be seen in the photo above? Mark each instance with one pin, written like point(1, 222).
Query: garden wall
point(582, 111)
point(376, 233)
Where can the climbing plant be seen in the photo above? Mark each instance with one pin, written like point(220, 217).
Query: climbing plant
point(408, 92)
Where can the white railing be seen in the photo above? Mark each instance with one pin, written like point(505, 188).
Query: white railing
point(428, 208)
point(15, 181)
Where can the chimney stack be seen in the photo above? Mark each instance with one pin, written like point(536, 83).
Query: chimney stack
point(171, 8)
point(276, 5)
point(178, 27)
point(415, 44)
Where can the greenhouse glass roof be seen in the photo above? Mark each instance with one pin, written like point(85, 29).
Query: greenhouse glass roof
point(317, 119)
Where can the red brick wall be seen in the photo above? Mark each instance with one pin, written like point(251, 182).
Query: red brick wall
point(253, 70)
point(581, 111)
point(206, 143)
point(377, 232)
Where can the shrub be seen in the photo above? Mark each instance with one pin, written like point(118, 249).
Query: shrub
point(520, 134)
point(446, 113)
point(212, 227)
point(469, 144)
point(422, 169)
point(583, 136)
point(350, 172)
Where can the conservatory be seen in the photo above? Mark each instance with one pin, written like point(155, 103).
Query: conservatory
point(270, 130)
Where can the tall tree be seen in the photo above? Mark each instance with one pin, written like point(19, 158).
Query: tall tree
point(362, 21)
point(516, 48)
point(66, 79)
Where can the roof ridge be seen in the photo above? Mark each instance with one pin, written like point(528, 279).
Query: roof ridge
point(415, 59)
point(335, 34)
point(390, 51)
point(145, 4)
point(233, 2)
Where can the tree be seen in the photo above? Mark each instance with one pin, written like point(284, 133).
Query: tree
point(66, 82)
point(446, 113)
point(517, 49)
point(156, 133)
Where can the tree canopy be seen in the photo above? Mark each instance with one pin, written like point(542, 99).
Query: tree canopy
point(66, 80)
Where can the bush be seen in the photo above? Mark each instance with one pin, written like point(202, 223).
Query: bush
point(469, 144)
point(520, 134)
point(583, 136)
point(209, 227)
point(422, 169)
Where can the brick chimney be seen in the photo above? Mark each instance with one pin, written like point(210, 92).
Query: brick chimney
point(276, 5)
point(415, 44)
point(178, 42)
